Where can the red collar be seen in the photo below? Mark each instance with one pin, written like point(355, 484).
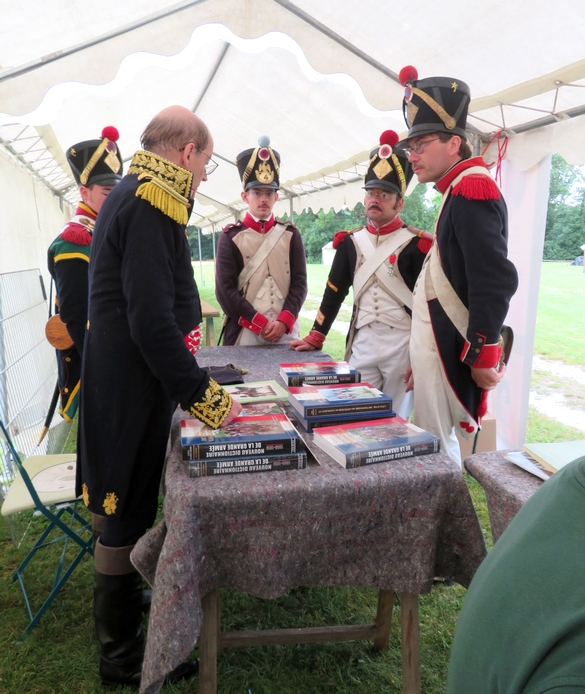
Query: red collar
point(445, 181)
point(396, 223)
point(262, 227)
point(86, 211)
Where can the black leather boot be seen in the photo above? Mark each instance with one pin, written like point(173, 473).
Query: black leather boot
point(118, 620)
point(118, 625)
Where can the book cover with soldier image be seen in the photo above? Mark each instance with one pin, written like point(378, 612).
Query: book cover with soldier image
point(377, 441)
point(253, 435)
point(259, 391)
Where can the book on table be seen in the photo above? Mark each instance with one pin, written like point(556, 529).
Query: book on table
point(377, 441)
point(318, 373)
point(315, 422)
point(554, 456)
point(255, 408)
point(255, 435)
point(526, 462)
point(343, 398)
point(235, 465)
point(258, 391)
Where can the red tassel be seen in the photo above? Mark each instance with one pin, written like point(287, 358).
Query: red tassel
point(477, 187)
point(483, 405)
point(76, 233)
point(424, 245)
point(338, 238)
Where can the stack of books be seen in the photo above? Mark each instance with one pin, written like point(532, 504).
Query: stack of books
point(321, 406)
point(318, 373)
point(251, 443)
point(377, 441)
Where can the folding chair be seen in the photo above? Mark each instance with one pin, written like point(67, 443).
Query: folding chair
point(45, 484)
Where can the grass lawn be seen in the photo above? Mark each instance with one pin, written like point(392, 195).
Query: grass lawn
point(60, 655)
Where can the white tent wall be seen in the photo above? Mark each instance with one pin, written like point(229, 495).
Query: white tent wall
point(526, 194)
point(31, 218)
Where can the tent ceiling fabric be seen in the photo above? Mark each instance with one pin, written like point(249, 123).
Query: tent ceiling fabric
point(323, 89)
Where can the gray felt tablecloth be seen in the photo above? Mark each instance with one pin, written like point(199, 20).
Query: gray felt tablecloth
point(507, 487)
point(390, 525)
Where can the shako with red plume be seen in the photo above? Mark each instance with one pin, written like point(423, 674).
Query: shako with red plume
point(97, 161)
point(388, 169)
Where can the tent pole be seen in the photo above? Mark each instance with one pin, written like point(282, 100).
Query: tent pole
point(200, 259)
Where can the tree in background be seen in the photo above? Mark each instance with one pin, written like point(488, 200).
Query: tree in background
point(206, 243)
point(565, 219)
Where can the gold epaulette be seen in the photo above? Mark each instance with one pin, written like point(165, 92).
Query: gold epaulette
point(166, 186)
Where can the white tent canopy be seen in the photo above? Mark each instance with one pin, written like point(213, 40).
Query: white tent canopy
point(318, 77)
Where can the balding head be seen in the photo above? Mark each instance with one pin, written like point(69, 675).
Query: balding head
point(172, 129)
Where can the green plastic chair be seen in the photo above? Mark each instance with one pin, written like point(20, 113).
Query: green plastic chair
point(45, 484)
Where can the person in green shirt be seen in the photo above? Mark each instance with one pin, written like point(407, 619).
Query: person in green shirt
point(522, 626)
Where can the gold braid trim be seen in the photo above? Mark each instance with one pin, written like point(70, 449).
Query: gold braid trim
point(448, 120)
point(93, 161)
point(167, 186)
point(214, 407)
point(250, 167)
point(400, 172)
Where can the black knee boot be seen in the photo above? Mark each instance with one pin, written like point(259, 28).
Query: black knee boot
point(118, 616)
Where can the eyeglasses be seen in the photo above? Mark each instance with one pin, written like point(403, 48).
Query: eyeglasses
point(381, 194)
point(418, 147)
point(262, 192)
point(211, 165)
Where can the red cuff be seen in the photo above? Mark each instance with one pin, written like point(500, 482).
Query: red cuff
point(288, 319)
point(479, 355)
point(256, 326)
point(315, 339)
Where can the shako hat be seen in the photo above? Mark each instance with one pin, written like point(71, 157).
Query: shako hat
point(97, 161)
point(389, 169)
point(435, 104)
point(259, 167)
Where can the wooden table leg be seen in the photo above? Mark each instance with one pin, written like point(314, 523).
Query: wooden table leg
point(384, 619)
point(410, 644)
point(208, 643)
point(209, 332)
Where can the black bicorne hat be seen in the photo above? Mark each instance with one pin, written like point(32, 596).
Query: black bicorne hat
point(97, 161)
point(435, 104)
point(389, 169)
point(259, 167)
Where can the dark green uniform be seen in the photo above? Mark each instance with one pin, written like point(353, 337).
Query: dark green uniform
point(522, 626)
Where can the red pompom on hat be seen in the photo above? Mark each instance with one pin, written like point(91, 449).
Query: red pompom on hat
point(407, 74)
point(389, 137)
point(111, 133)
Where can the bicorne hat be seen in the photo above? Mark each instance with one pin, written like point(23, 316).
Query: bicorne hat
point(389, 169)
point(435, 104)
point(97, 161)
point(259, 167)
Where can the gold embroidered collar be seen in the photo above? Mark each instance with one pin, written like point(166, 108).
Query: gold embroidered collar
point(166, 185)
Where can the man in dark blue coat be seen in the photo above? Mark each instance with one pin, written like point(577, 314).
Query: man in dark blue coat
point(463, 292)
point(144, 309)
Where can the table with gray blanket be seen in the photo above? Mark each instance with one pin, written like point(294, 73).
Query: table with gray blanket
point(507, 487)
point(392, 526)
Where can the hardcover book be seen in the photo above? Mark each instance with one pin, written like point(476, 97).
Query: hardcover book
point(318, 373)
point(554, 456)
point(255, 408)
point(231, 466)
point(259, 391)
point(343, 398)
point(256, 435)
point(378, 441)
point(316, 422)
point(523, 460)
